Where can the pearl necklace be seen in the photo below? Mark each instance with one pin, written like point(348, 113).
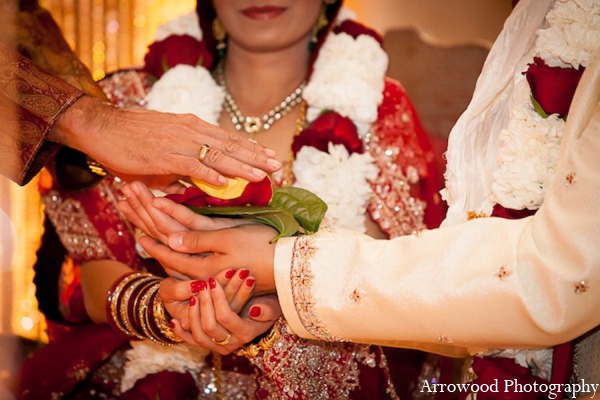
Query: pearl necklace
point(252, 125)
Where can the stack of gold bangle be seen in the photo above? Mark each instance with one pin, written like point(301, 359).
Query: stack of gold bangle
point(135, 309)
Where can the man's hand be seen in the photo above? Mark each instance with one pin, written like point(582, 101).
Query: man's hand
point(143, 142)
point(209, 252)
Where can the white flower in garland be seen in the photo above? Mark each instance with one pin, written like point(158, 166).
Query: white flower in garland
point(348, 78)
point(572, 34)
point(527, 156)
point(145, 358)
point(187, 24)
point(186, 89)
point(340, 180)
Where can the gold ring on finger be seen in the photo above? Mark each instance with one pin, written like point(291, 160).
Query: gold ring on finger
point(222, 342)
point(203, 152)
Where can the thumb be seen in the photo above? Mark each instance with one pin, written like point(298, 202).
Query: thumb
point(264, 308)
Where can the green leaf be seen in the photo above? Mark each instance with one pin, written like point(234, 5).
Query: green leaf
point(165, 66)
point(281, 220)
point(538, 108)
point(305, 206)
point(292, 211)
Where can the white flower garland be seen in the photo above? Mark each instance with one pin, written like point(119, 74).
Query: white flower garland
point(187, 89)
point(529, 145)
point(348, 78)
point(340, 180)
point(572, 34)
point(528, 155)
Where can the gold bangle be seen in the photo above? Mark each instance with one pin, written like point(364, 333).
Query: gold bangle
point(144, 315)
point(124, 304)
point(252, 350)
point(115, 295)
point(160, 318)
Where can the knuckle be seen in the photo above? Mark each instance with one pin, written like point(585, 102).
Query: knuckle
point(214, 156)
point(231, 147)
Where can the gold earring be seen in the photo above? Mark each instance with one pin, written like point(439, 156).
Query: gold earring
point(320, 24)
point(220, 34)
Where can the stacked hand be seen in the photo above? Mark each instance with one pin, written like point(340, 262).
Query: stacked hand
point(205, 295)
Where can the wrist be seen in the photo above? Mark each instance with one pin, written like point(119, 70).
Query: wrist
point(75, 126)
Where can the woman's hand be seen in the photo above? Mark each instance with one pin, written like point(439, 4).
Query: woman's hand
point(176, 293)
point(160, 217)
point(216, 325)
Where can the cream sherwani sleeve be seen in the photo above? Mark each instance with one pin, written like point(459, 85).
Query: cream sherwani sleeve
point(488, 283)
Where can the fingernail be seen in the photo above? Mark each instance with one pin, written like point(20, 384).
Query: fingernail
point(222, 180)
point(270, 153)
point(250, 282)
point(172, 324)
point(255, 311)
point(176, 241)
point(229, 274)
point(195, 286)
point(259, 173)
point(273, 163)
point(192, 301)
point(212, 283)
point(244, 274)
point(203, 286)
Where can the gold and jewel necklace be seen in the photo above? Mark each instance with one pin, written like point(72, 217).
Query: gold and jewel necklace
point(252, 125)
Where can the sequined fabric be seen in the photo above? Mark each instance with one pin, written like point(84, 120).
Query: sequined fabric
point(90, 225)
point(587, 358)
point(299, 368)
point(402, 161)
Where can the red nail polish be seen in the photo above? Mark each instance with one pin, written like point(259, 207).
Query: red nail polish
point(244, 274)
point(195, 286)
point(212, 283)
point(255, 312)
point(250, 282)
point(172, 324)
point(192, 301)
point(229, 274)
point(203, 285)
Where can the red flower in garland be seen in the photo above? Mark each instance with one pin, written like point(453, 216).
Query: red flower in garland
point(175, 50)
point(553, 87)
point(356, 29)
point(329, 127)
